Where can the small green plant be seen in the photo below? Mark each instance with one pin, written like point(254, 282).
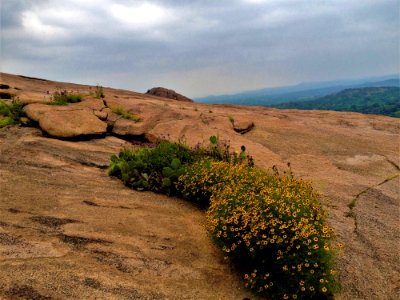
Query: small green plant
point(171, 174)
point(231, 119)
point(125, 114)
point(64, 98)
point(214, 141)
point(99, 92)
point(221, 151)
point(10, 113)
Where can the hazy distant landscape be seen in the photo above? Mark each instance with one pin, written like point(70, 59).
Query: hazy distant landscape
point(370, 100)
point(379, 95)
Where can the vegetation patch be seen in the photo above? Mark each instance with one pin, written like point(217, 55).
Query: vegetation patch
point(151, 168)
point(157, 167)
point(125, 114)
point(65, 98)
point(10, 113)
point(272, 227)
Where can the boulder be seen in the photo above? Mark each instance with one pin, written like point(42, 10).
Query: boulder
point(166, 93)
point(243, 127)
point(71, 120)
point(71, 123)
point(35, 111)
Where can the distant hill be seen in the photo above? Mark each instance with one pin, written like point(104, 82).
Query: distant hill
point(300, 92)
point(370, 100)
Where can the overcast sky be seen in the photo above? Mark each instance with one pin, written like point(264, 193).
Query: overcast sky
point(199, 47)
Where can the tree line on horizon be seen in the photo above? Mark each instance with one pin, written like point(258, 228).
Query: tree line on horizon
point(369, 100)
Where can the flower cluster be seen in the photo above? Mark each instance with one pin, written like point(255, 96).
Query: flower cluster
point(274, 227)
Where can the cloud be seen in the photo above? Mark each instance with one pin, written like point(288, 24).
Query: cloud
point(32, 24)
point(199, 47)
point(141, 15)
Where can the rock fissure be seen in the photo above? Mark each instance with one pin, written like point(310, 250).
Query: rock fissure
point(353, 202)
point(393, 163)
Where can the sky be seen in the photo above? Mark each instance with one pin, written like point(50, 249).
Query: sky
point(199, 47)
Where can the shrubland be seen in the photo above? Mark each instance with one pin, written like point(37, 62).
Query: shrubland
point(272, 227)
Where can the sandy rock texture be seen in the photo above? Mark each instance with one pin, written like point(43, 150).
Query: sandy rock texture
point(64, 222)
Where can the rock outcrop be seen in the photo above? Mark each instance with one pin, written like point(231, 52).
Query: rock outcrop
point(74, 120)
point(71, 123)
point(127, 127)
point(243, 127)
point(352, 160)
point(166, 93)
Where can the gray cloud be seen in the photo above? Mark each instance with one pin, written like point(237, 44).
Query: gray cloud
point(199, 47)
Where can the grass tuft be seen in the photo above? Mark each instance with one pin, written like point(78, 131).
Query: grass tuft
point(65, 98)
point(125, 114)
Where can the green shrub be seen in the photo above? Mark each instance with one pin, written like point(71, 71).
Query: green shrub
point(125, 114)
point(10, 114)
point(155, 169)
point(64, 98)
point(158, 168)
point(272, 227)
